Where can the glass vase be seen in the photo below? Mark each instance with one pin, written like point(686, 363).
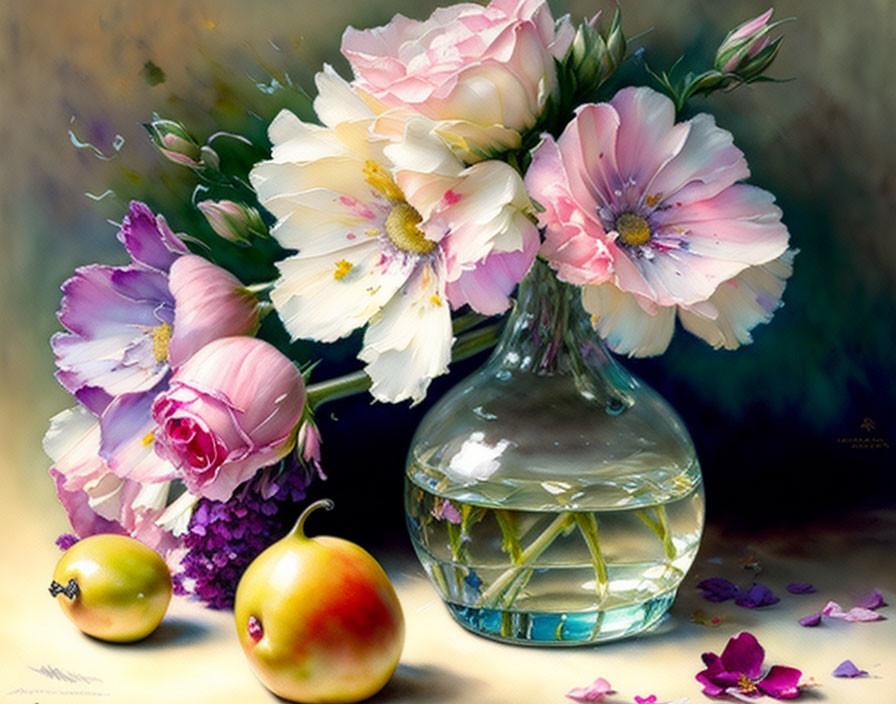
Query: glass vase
point(551, 497)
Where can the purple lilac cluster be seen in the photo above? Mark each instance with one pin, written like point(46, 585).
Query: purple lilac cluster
point(225, 536)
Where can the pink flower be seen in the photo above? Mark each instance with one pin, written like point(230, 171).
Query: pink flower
point(594, 692)
point(209, 303)
point(744, 42)
point(485, 72)
point(647, 214)
point(232, 408)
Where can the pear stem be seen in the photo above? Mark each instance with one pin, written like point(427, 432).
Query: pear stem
point(298, 529)
point(71, 590)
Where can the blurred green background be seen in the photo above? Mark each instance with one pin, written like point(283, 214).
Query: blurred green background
point(799, 424)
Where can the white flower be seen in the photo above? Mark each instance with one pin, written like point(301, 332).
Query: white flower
point(390, 228)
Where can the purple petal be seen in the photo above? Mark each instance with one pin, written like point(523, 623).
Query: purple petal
point(872, 600)
point(743, 655)
point(66, 540)
point(718, 589)
point(810, 621)
point(848, 669)
point(757, 596)
point(859, 615)
point(833, 610)
point(800, 588)
point(781, 682)
point(148, 238)
point(594, 692)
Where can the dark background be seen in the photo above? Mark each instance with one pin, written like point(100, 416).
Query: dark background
point(795, 428)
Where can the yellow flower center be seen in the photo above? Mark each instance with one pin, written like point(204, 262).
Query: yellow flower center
point(161, 337)
point(746, 684)
point(342, 268)
point(382, 181)
point(401, 228)
point(632, 229)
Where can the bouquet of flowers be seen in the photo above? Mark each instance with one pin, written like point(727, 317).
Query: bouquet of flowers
point(463, 148)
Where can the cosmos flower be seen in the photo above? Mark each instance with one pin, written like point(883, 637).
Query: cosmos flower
point(390, 231)
point(650, 218)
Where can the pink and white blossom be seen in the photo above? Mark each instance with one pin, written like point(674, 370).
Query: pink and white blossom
point(650, 217)
point(483, 73)
point(232, 408)
point(391, 230)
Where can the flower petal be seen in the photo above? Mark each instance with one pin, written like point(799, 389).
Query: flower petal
point(800, 588)
point(594, 692)
point(757, 596)
point(847, 668)
point(148, 238)
point(625, 325)
point(409, 343)
point(872, 600)
point(781, 682)
point(810, 621)
point(718, 589)
point(743, 655)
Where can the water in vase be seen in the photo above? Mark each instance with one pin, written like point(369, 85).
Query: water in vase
point(564, 565)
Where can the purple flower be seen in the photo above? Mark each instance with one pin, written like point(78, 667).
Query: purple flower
point(594, 692)
point(444, 510)
point(225, 536)
point(800, 588)
point(848, 669)
point(810, 621)
point(718, 589)
point(739, 671)
point(756, 596)
point(66, 540)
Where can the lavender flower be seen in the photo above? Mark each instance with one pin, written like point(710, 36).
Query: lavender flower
point(225, 536)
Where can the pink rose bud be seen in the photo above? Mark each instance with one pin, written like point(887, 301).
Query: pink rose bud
point(176, 144)
point(231, 409)
point(233, 221)
point(209, 302)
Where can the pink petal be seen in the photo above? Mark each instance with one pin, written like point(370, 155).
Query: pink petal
point(833, 609)
point(781, 682)
point(594, 692)
point(859, 615)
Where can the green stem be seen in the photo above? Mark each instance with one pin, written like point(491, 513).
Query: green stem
point(588, 525)
point(660, 527)
point(531, 553)
point(358, 382)
point(510, 542)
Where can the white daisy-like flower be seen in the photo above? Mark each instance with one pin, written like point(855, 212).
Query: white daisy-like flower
point(391, 230)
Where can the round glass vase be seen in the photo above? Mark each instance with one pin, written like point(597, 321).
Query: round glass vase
point(552, 498)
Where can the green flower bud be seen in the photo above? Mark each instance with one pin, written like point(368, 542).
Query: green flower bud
point(175, 143)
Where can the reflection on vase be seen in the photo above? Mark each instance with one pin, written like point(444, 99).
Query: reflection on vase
point(551, 497)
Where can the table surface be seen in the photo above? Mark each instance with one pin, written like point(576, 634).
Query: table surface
point(194, 656)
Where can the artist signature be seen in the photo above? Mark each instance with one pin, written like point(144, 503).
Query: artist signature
point(59, 674)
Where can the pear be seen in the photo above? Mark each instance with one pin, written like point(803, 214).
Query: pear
point(318, 618)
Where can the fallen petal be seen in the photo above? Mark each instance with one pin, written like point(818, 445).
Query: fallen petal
point(859, 615)
point(848, 669)
point(757, 596)
point(718, 589)
point(800, 588)
point(872, 600)
point(649, 699)
point(833, 609)
point(810, 621)
point(781, 682)
point(594, 692)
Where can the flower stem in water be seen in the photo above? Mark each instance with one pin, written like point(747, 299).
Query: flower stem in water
point(660, 526)
point(588, 525)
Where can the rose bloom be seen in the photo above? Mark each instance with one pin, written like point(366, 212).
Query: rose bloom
point(484, 73)
point(648, 215)
point(231, 408)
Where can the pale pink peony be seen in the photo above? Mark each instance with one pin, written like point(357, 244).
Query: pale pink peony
point(209, 302)
point(485, 73)
point(231, 408)
point(649, 216)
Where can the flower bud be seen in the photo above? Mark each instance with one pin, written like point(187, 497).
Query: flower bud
point(231, 409)
point(748, 50)
point(593, 57)
point(233, 221)
point(209, 302)
point(175, 143)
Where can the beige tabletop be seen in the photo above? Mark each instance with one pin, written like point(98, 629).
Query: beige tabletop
point(195, 657)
